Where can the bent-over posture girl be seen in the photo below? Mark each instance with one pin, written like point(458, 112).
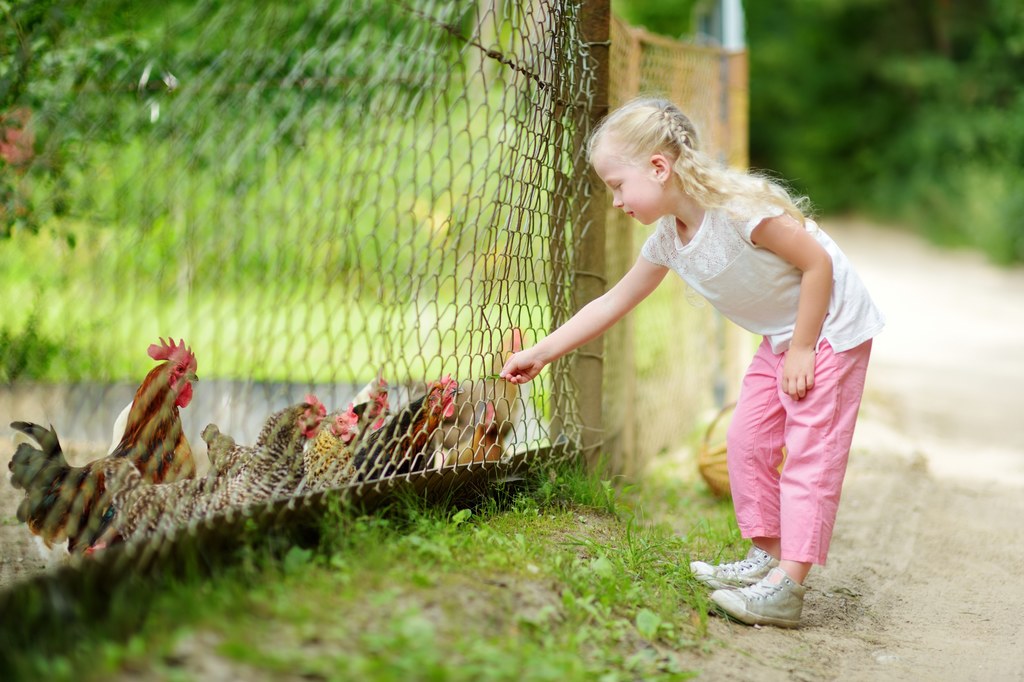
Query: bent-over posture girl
point(744, 244)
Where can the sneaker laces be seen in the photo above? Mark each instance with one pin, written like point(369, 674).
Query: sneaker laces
point(761, 590)
point(737, 567)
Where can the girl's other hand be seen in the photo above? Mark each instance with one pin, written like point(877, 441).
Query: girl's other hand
point(522, 367)
point(798, 372)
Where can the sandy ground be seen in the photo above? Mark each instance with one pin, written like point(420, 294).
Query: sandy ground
point(924, 576)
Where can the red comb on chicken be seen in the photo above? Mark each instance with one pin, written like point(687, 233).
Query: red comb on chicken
point(309, 421)
point(400, 445)
point(328, 459)
point(153, 437)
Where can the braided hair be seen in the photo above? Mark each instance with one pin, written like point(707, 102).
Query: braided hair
point(646, 126)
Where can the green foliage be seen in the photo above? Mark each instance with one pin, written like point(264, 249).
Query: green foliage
point(206, 157)
point(908, 111)
point(572, 483)
point(667, 17)
point(29, 353)
point(75, 75)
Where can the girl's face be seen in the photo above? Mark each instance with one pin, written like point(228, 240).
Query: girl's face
point(639, 189)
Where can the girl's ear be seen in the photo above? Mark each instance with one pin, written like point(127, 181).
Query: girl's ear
point(661, 166)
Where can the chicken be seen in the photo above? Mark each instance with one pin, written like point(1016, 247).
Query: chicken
point(227, 458)
point(401, 444)
point(485, 413)
point(269, 469)
point(485, 445)
point(65, 502)
point(152, 435)
point(328, 459)
point(274, 464)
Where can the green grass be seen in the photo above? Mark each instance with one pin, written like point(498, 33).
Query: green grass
point(565, 577)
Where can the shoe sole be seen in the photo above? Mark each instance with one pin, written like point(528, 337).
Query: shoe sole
point(719, 585)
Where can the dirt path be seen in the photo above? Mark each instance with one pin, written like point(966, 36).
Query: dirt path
point(924, 580)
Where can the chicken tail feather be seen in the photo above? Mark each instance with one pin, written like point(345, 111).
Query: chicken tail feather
point(36, 467)
point(41, 472)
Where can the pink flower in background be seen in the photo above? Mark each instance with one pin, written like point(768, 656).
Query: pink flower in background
point(17, 140)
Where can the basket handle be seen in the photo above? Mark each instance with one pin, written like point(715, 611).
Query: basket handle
point(714, 422)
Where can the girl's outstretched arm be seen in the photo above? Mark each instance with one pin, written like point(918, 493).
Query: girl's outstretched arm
point(590, 322)
point(789, 240)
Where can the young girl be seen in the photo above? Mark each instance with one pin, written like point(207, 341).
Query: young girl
point(744, 244)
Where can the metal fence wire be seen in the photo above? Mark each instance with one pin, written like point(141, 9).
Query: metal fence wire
point(355, 207)
point(258, 261)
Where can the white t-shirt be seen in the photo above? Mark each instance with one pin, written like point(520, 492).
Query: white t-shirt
point(757, 289)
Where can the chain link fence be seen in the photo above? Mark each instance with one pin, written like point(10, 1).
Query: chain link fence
point(341, 216)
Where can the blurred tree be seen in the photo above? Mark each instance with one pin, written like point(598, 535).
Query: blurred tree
point(50, 51)
point(76, 74)
point(667, 17)
point(909, 111)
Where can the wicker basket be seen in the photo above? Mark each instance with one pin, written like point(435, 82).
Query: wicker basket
point(711, 456)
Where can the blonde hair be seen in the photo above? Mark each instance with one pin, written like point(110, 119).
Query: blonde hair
point(646, 126)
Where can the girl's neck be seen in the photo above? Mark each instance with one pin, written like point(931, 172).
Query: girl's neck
point(688, 217)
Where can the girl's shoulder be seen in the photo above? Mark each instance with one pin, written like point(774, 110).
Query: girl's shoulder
point(664, 230)
point(745, 213)
point(659, 247)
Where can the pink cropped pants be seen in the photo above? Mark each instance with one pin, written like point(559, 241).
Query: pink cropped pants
point(799, 504)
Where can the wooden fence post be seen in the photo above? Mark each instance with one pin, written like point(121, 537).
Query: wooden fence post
point(591, 278)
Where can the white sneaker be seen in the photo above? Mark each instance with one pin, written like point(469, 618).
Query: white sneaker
point(775, 600)
point(736, 574)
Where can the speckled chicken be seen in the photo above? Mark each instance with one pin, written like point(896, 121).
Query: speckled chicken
point(328, 459)
point(273, 466)
point(269, 469)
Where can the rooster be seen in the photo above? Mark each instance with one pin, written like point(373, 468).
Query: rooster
point(152, 436)
point(328, 459)
point(269, 469)
point(399, 446)
point(65, 502)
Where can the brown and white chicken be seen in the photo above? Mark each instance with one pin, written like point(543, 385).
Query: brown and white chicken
point(401, 445)
point(486, 411)
point(66, 502)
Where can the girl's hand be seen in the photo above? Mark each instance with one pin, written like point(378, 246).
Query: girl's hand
point(522, 367)
point(798, 372)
